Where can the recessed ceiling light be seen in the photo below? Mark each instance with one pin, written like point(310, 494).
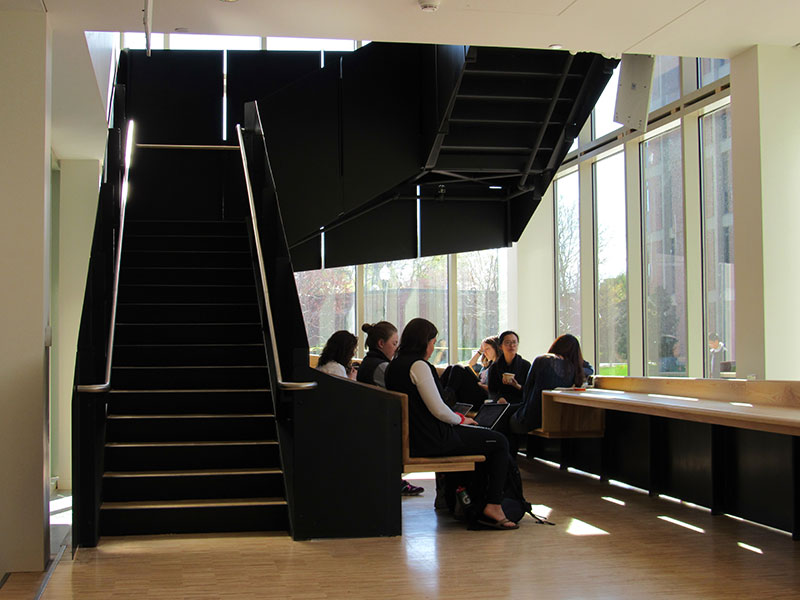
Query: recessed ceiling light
point(228, 0)
point(555, 46)
point(181, 29)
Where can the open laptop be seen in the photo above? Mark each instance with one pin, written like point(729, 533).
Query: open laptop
point(490, 414)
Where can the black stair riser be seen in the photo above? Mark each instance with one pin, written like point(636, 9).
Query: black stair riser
point(187, 333)
point(141, 227)
point(148, 355)
point(172, 403)
point(149, 458)
point(190, 429)
point(184, 242)
point(193, 520)
point(189, 294)
point(199, 378)
point(187, 313)
point(185, 259)
point(184, 275)
point(131, 489)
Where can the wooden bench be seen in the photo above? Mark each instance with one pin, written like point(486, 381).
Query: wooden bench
point(772, 406)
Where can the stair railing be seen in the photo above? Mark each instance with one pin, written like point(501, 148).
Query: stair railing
point(284, 385)
point(106, 385)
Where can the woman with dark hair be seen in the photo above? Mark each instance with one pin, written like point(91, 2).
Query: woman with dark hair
point(434, 429)
point(507, 374)
point(562, 366)
point(381, 344)
point(337, 354)
point(489, 351)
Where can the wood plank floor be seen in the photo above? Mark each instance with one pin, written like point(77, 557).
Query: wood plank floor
point(608, 542)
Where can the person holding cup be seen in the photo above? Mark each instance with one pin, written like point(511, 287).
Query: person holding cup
point(508, 373)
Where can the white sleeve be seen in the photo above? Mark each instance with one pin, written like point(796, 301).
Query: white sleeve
point(333, 368)
point(379, 376)
point(422, 378)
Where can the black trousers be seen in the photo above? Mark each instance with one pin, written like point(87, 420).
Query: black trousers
point(469, 439)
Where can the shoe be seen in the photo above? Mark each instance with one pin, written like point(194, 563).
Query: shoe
point(407, 489)
point(490, 523)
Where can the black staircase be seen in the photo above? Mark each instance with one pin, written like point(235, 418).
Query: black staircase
point(191, 443)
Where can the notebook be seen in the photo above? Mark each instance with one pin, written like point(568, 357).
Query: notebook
point(490, 414)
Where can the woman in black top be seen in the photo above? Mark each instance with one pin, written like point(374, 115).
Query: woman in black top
point(434, 429)
point(508, 387)
point(382, 343)
point(562, 366)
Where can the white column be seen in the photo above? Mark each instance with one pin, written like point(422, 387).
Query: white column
point(765, 85)
point(77, 209)
point(693, 231)
point(535, 277)
point(587, 262)
point(633, 196)
point(24, 273)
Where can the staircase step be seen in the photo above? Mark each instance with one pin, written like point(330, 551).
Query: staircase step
point(162, 227)
point(186, 258)
point(187, 275)
point(154, 312)
point(125, 456)
point(188, 427)
point(193, 377)
point(173, 402)
point(189, 354)
point(187, 333)
point(193, 516)
point(197, 484)
point(185, 242)
point(189, 294)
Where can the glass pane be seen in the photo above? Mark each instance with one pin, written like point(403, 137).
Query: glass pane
point(568, 256)
point(136, 41)
point(612, 266)
point(289, 43)
point(664, 255)
point(711, 69)
point(193, 41)
point(400, 290)
point(718, 243)
point(328, 299)
point(666, 86)
point(482, 298)
point(603, 115)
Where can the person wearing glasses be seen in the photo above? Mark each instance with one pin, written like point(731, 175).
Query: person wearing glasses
point(508, 373)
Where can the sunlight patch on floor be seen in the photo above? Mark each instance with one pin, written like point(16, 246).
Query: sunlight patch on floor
point(681, 524)
point(578, 527)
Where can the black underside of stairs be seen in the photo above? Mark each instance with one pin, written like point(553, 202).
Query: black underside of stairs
point(191, 442)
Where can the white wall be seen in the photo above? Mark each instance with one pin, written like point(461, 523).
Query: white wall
point(765, 85)
point(535, 281)
point(77, 207)
point(24, 197)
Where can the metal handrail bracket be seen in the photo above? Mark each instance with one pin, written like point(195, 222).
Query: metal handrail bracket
point(106, 385)
point(284, 385)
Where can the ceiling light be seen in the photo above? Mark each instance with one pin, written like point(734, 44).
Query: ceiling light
point(555, 46)
point(429, 5)
point(228, 0)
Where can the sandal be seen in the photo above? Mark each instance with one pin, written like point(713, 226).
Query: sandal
point(490, 523)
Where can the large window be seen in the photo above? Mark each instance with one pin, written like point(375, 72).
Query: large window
point(328, 299)
point(603, 114)
point(666, 86)
point(664, 254)
point(711, 69)
point(401, 290)
point(717, 203)
point(482, 298)
point(568, 255)
point(612, 266)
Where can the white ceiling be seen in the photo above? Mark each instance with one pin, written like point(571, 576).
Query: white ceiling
point(707, 28)
point(710, 28)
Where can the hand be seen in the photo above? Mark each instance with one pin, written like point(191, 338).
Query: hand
point(469, 421)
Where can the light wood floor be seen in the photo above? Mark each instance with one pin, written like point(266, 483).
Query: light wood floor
point(598, 549)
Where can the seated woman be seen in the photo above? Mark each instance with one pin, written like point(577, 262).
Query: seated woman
point(562, 366)
point(434, 429)
point(337, 354)
point(381, 344)
point(507, 374)
point(488, 353)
